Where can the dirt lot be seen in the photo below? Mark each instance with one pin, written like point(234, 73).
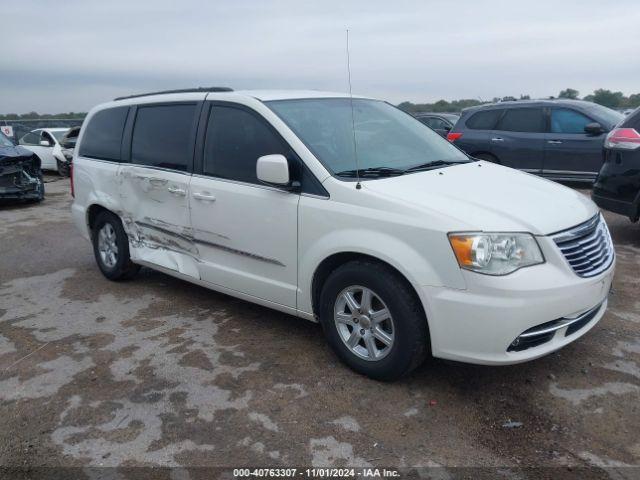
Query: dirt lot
point(158, 372)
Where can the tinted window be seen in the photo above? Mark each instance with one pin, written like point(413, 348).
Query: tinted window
point(234, 142)
point(31, 138)
point(484, 120)
point(103, 134)
point(435, 123)
point(522, 120)
point(162, 136)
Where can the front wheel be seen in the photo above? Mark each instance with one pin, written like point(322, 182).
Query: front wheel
point(373, 320)
point(111, 248)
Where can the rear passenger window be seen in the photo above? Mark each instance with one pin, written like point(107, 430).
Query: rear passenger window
point(103, 135)
point(564, 120)
point(485, 120)
point(235, 140)
point(522, 120)
point(162, 136)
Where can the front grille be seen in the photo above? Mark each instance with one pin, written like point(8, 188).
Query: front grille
point(587, 247)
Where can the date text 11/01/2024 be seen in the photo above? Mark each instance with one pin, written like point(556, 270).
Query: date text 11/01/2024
point(316, 472)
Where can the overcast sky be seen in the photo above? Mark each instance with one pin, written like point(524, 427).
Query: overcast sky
point(59, 56)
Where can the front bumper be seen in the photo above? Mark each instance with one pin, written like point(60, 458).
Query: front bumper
point(481, 323)
point(20, 179)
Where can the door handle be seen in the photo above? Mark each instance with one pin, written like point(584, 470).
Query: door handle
point(497, 139)
point(554, 142)
point(207, 197)
point(177, 191)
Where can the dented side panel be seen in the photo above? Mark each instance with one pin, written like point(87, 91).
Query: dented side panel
point(154, 209)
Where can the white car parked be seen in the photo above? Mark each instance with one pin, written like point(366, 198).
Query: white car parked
point(344, 211)
point(45, 143)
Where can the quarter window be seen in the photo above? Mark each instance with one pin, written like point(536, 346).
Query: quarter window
point(564, 120)
point(162, 136)
point(103, 135)
point(31, 138)
point(235, 139)
point(485, 120)
point(529, 120)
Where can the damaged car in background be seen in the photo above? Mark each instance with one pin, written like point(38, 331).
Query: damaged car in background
point(63, 151)
point(20, 174)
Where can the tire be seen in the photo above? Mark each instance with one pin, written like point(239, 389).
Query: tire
point(407, 327)
point(63, 168)
point(109, 235)
point(487, 157)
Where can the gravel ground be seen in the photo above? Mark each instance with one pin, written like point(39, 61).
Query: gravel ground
point(159, 372)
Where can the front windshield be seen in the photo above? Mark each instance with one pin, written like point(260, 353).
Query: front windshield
point(385, 136)
point(607, 114)
point(4, 141)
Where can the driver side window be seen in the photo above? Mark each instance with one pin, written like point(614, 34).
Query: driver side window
point(564, 120)
point(234, 141)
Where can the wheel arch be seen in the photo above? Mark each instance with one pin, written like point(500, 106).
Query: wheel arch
point(335, 260)
point(92, 213)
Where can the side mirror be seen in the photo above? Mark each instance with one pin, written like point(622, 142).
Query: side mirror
point(45, 143)
point(273, 170)
point(593, 128)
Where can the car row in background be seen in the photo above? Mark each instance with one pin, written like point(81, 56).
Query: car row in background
point(617, 187)
point(558, 139)
point(20, 174)
point(442, 123)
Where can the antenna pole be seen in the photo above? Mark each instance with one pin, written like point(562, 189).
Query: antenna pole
point(353, 121)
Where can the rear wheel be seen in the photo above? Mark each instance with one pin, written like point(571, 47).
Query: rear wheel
point(111, 248)
point(373, 320)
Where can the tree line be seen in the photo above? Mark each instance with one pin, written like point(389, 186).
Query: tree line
point(616, 100)
point(601, 96)
point(42, 116)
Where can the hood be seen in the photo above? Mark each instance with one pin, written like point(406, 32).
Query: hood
point(489, 197)
point(14, 152)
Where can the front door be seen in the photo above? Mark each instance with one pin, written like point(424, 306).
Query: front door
point(569, 150)
point(245, 232)
point(154, 190)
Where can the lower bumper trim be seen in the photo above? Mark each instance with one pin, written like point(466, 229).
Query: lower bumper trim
point(543, 333)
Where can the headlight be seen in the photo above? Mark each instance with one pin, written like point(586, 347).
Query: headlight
point(495, 253)
point(68, 153)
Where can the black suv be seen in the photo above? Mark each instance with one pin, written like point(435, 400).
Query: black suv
point(558, 139)
point(617, 187)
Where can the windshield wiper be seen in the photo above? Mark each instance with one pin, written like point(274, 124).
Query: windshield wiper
point(372, 172)
point(422, 167)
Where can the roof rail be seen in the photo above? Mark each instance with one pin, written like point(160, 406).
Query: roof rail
point(181, 90)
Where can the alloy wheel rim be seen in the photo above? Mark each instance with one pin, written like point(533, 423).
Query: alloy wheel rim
point(364, 323)
point(107, 245)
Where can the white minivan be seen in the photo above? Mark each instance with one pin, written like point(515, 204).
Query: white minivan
point(346, 211)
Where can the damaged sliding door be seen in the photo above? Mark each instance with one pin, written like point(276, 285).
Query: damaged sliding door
point(155, 187)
